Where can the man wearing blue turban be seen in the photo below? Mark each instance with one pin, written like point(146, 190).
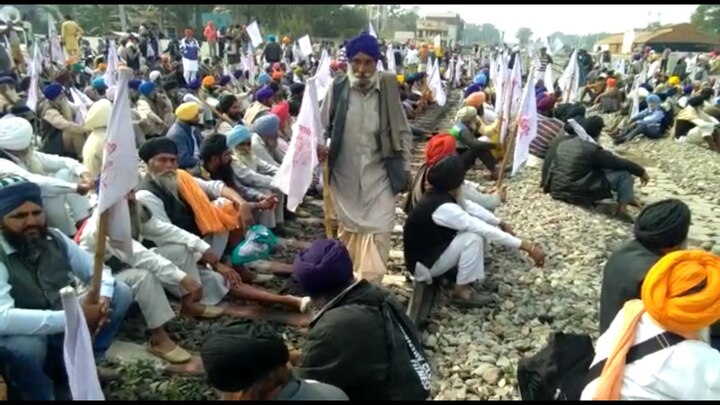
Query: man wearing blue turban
point(155, 110)
point(36, 262)
point(368, 156)
point(62, 136)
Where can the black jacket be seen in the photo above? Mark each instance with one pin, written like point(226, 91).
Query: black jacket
point(349, 346)
point(577, 172)
point(272, 52)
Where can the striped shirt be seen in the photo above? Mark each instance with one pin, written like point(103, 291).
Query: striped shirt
point(547, 130)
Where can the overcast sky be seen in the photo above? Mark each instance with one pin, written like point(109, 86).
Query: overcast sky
point(569, 19)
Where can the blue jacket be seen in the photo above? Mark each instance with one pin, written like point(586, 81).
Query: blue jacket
point(651, 118)
point(188, 139)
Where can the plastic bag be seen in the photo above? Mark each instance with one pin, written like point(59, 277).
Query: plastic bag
point(258, 242)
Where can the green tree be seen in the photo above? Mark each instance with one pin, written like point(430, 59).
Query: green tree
point(523, 35)
point(707, 18)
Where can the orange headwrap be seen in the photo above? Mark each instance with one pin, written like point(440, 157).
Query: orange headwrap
point(208, 81)
point(668, 299)
point(438, 147)
point(282, 110)
point(476, 99)
point(102, 67)
point(286, 40)
point(611, 82)
point(277, 75)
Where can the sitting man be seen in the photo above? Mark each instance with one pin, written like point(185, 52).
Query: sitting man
point(265, 139)
point(656, 347)
point(154, 110)
point(60, 134)
point(661, 228)
point(230, 106)
point(255, 173)
point(185, 132)
point(146, 272)
point(64, 181)
point(438, 147)
point(582, 173)
point(177, 197)
point(444, 231)
point(361, 341)
point(36, 262)
point(696, 127)
point(218, 164)
point(646, 122)
point(468, 146)
point(248, 362)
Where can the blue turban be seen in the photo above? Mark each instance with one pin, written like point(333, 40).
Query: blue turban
point(271, 38)
point(264, 93)
point(238, 74)
point(480, 79)
point(224, 80)
point(267, 125)
point(717, 101)
point(364, 43)
point(99, 83)
point(146, 88)
point(323, 269)
point(134, 84)
point(7, 80)
point(653, 98)
point(637, 57)
point(52, 91)
point(16, 191)
point(238, 135)
point(263, 78)
point(687, 89)
point(194, 84)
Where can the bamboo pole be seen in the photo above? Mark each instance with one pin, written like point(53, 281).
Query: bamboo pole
point(98, 264)
point(505, 159)
point(327, 202)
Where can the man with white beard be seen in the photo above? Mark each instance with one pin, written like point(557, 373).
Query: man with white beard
point(63, 181)
point(369, 154)
point(176, 197)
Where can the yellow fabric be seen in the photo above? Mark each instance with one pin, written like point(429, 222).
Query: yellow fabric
point(209, 218)
point(400, 79)
point(187, 111)
point(674, 81)
point(667, 299)
point(70, 32)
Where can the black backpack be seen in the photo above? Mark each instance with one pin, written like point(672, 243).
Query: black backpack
point(409, 373)
point(561, 370)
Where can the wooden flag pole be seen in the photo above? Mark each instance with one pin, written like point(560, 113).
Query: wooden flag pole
point(504, 162)
point(327, 202)
point(98, 264)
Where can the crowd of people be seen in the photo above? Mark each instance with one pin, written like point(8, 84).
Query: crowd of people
point(212, 133)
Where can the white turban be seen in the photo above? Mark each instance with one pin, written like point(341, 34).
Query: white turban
point(154, 75)
point(110, 93)
point(15, 133)
point(98, 115)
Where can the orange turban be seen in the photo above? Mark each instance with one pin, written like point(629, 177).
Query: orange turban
point(476, 99)
point(438, 147)
point(286, 40)
point(671, 297)
point(277, 75)
point(102, 67)
point(611, 82)
point(208, 81)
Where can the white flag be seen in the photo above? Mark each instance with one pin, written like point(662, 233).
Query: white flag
point(35, 69)
point(119, 170)
point(557, 45)
point(250, 60)
point(305, 46)
point(323, 76)
point(569, 82)
point(254, 33)
point(548, 79)
point(450, 70)
point(78, 351)
point(296, 171)
point(296, 53)
point(58, 56)
point(390, 56)
point(458, 73)
point(512, 98)
point(112, 64)
point(502, 76)
point(636, 96)
point(81, 103)
point(435, 85)
point(627, 43)
point(527, 125)
point(437, 41)
point(380, 66)
point(371, 30)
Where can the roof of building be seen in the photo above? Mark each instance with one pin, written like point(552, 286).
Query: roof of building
point(668, 34)
point(444, 14)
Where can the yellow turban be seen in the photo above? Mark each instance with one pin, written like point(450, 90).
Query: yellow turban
point(466, 114)
point(674, 81)
point(102, 67)
point(400, 79)
point(208, 81)
point(187, 111)
point(681, 293)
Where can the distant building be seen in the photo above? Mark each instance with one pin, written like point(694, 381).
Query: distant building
point(679, 37)
point(448, 25)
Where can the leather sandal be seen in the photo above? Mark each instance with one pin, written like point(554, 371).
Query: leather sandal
point(177, 355)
